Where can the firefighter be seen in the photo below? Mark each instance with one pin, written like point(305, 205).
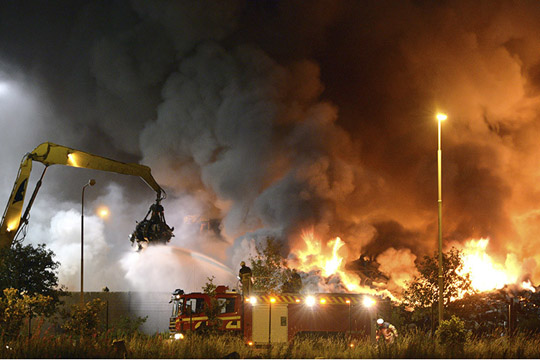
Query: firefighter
point(245, 277)
point(386, 332)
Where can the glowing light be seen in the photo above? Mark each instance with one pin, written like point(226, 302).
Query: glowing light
point(178, 336)
point(310, 301)
point(441, 117)
point(250, 343)
point(297, 301)
point(273, 300)
point(252, 300)
point(12, 225)
point(103, 212)
point(323, 301)
point(348, 301)
point(368, 301)
point(72, 160)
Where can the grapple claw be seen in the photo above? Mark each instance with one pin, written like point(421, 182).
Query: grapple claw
point(153, 229)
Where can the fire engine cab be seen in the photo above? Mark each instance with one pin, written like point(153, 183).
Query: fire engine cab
point(264, 319)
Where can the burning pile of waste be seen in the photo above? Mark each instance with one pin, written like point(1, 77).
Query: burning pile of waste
point(499, 311)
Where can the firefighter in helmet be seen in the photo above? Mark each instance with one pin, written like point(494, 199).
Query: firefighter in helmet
point(245, 277)
point(386, 332)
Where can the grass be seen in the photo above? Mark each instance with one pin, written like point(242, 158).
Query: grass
point(203, 346)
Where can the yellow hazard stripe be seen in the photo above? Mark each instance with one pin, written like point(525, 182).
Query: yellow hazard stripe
point(204, 318)
point(321, 298)
point(195, 318)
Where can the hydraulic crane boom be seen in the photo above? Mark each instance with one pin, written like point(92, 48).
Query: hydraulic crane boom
point(51, 154)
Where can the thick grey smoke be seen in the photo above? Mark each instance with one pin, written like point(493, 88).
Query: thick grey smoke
point(277, 117)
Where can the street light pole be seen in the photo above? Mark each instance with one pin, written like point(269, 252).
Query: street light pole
point(272, 300)
point(90, 182)
point(440, 118)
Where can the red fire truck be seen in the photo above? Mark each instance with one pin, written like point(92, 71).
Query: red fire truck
point(264, 319)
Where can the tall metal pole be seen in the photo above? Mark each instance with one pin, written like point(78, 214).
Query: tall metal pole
point(270, 323)
point(91, 182)
point(350, 318)
point(440, 118)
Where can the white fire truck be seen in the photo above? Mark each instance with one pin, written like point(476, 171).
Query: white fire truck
point(264, 318)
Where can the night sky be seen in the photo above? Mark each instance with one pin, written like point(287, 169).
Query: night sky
point(277, 117)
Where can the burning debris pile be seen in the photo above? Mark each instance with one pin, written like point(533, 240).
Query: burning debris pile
point(500, 310)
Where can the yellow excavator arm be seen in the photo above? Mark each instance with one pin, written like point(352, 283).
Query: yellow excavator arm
point(51, 154)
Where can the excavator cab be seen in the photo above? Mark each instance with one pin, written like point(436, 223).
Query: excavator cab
point(153, 229)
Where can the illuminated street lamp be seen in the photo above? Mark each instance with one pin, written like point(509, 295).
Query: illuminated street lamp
point(90, 182)
point(440, 118)
point(103, 212)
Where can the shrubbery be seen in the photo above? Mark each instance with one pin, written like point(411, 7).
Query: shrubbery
point(452, 334)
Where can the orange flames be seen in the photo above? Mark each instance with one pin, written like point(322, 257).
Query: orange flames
point(327, 259)
point(485, 273)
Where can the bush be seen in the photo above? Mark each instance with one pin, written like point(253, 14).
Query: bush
point(84, 319)
point(452, 334)
point(127, 326)
point(15, 307)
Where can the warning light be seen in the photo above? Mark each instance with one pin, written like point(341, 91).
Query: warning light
point(368, 301)
point(273, 300)
point(310, 301)
point(323, 301)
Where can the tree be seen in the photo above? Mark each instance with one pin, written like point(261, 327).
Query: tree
point(15, 307)
point(423, 291)
point(214, 310)
point(31, 270)
point(268, 267)
point(84, 319)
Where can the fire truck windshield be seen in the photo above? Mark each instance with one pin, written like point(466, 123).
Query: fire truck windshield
point(177, 307)
point(194, 306)
point(227, 305)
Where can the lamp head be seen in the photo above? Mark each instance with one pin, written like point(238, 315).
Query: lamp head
point(441, 117)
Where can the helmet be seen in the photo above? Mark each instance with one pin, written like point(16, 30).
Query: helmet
point(242, 263)
point(380, 322)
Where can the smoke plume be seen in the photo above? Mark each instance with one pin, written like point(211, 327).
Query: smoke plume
point(276, 117)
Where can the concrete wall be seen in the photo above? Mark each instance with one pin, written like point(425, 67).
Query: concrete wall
point(155, 305)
